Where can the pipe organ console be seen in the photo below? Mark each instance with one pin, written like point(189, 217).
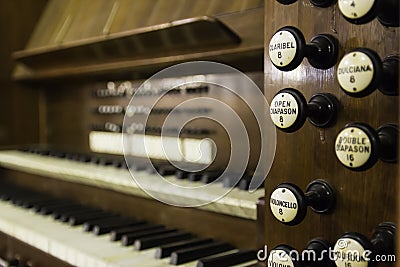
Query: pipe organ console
point(174, 133)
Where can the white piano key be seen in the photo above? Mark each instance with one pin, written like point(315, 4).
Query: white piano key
point(58, 250)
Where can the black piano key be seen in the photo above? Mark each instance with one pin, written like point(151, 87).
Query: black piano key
point(18, 198)
point(74, 156)
point(244, 184)
point(116, 163)
point(104, 161)
point(153, 168)
point(159, 240)
point(8, 194)
point(17, 195)
point(68, 210)
point(4, 196)
point(211, 176)
point(107, 228)
point(130, 238)
point(228, 259)
point(135, 167)
point(82, 218)
point(44, 152)
point(123, 165)
point(57, 154)
point(94, 160)
point(70, 156)
point(194, 176)
point(198, 252)
point(166, 250)
point(164, 171)
point(50, 209)
point(229, 182)
point(88, 225)
point(117, 234)
point(65, 216)
point(29, 203)
point(181, 174)
point(83, 158)
point(49, 203)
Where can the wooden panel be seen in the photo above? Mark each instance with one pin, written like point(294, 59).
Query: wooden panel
point(193, 34)
point(364, 199)
point(89, 20)
point(124, 23)
point(18, 104)
point(66, 21)
point(67, 111)
point(83, 24)
point(45, 32)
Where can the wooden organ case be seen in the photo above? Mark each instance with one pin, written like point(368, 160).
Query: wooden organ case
point(86, 59)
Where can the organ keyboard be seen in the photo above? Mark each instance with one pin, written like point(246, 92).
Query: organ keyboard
point(237, 202)
point(26, 215)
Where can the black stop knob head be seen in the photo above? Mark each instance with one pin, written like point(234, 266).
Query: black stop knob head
point(359, 11)
point(320, 247)
point(325, 52)
point(324, 199)
point(360, 72)
point(288, 110)
point(357, 146)
point(383, 238)
point(389, 12)
point(390, 83)
point(282, 255)
point(288, 204)
point(286, 2)
point(325, 109)
point(388, 139)
point(287, 48)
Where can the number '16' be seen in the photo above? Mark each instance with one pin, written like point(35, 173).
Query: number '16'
point(350, 157)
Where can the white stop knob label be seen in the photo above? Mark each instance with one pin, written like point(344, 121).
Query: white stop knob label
point(349, 252)
point(355, 72)
point(284, 110)
point(282, 48)
point(278, 257)
point(354, 9)
point(284, 205)
point(353, 147)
